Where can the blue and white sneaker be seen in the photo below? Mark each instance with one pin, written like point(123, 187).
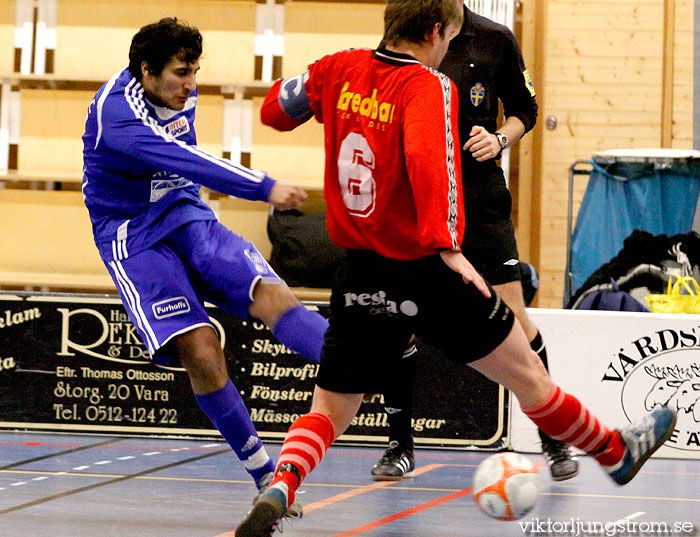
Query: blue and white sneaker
point(641, 440)
point(296, 510)
point(269, 508)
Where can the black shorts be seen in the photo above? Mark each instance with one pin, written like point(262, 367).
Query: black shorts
point(378, 303)
point(489, 236)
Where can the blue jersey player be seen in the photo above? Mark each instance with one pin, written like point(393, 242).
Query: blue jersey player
point(164, 247)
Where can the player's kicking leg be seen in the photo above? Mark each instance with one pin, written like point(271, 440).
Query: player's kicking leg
point(562, 465)
point(621, 452)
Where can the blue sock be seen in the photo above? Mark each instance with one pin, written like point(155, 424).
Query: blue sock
point(302, 331)
point(226, 410)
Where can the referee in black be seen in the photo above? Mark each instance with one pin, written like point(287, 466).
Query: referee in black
point(486, 64)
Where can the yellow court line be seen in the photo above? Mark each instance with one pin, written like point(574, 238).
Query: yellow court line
point(620, 497)
point(355, 490)
point(204, 480)
point(654, 472)
point(233, 481)
point(196, 479)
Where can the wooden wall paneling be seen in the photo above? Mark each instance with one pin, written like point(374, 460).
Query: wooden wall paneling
point(45, 36)
point(534, 24)
point(667, 83)
point(7, 35)
point(52, 124)
point(614, 43)
point(23, 36)
point(209, 123)
point(238, 127)
point(550, 280)
point(55, 236)
point(311, 30)
point(269, 41)
point(522, 212)
point(297, 157)
point(248, 219)
point(314, 29)
point(5, 90)
point(602, 76)
point(605, 70)
point(684, 34)
point(13, 103)
point(93, 36)
point(604, 14)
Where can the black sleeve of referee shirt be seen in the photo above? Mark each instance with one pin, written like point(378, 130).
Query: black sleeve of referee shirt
point(515, 87)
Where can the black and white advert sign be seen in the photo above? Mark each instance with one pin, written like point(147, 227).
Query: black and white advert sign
point(622, 365)
point(75, 363)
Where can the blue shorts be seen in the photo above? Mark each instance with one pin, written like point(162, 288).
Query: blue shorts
point(164, 287)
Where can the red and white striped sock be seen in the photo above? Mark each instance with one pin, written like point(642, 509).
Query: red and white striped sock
point(564, 418)
point(305, 445)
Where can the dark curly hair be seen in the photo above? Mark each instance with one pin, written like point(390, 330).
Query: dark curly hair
point(158, 42)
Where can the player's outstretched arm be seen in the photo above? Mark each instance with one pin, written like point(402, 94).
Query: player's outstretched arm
point(457, 262)
point(128, 130)
point(284, 196)
point(286, 105)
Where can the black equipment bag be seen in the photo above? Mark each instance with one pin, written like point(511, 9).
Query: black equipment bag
point(303, 254)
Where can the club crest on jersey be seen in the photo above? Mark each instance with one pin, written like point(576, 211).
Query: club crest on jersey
point(178, 127)
point(260, 264)
point(476, 94)
point(528, 83)
point(160, 187)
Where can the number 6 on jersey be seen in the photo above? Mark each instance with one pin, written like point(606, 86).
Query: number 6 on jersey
point(355, 165)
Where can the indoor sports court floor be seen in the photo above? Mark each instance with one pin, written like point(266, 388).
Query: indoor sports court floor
point(93, 486)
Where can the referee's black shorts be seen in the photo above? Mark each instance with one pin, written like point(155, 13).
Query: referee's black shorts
point(489, 236)
point(378, 303)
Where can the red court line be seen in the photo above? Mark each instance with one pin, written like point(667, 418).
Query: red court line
point(34, 444)
point(361, 490)
point(403, 514)
point(354, 492)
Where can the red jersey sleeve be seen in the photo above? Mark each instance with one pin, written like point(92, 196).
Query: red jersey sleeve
point(314, 86)
point(431, 146)
point(290, 102)
point(272, 114)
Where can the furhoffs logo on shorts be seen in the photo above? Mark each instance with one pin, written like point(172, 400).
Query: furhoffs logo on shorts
point(170, 307)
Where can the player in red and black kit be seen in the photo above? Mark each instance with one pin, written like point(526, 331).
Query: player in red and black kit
point(394, 200)
point(485, 62)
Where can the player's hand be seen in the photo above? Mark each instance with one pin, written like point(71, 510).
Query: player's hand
point(457, 262)
point(285, 196)
point(482, 144)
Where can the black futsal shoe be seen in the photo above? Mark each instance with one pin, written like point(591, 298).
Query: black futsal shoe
point(398, 462)
point(562, 465)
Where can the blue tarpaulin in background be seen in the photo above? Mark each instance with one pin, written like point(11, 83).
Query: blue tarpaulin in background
point(622, 197)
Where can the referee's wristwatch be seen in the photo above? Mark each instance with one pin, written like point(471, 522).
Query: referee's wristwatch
point(502, 140)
